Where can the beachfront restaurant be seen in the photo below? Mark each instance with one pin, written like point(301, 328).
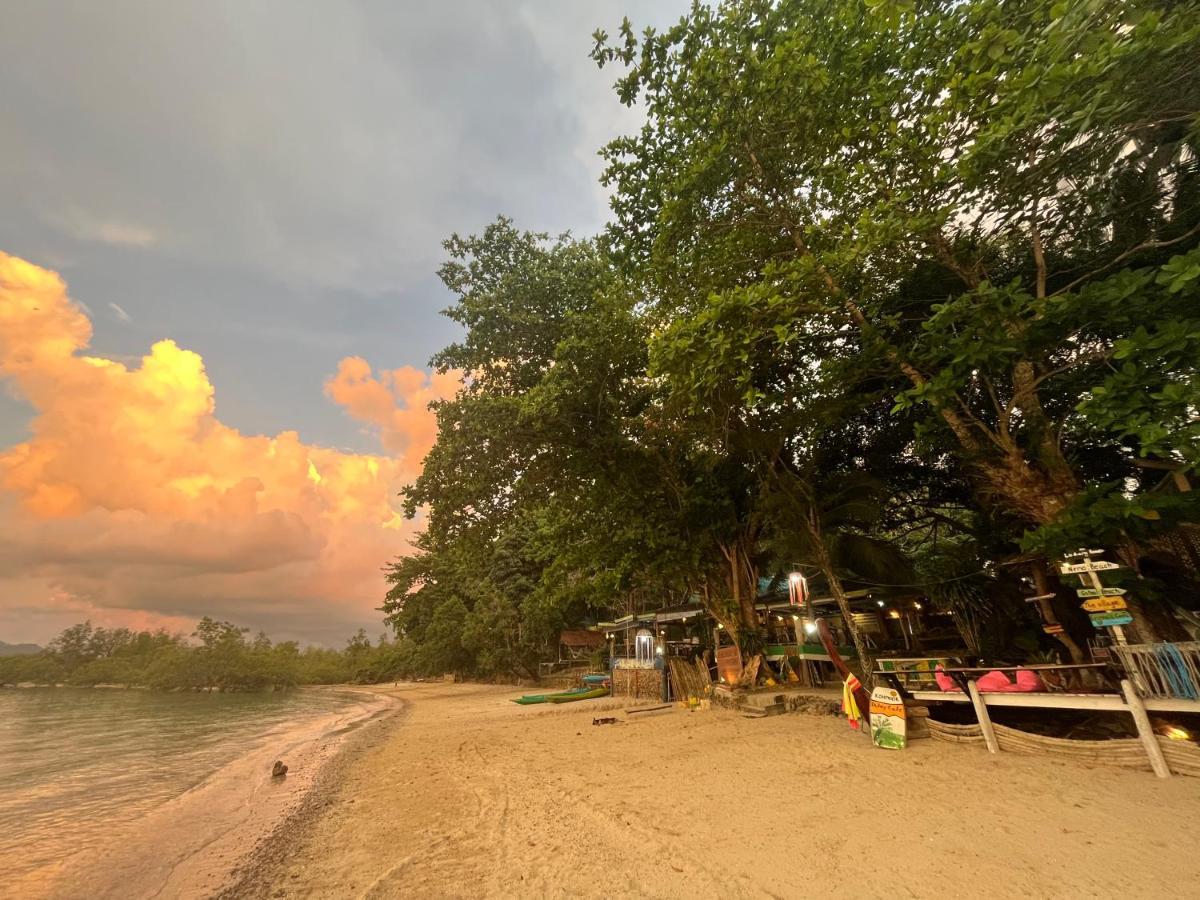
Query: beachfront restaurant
point(670, 653)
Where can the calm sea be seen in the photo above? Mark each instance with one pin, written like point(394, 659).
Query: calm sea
point(78, 765)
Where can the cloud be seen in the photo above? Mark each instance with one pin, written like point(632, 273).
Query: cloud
point(133, 501)
point(394, 405)
point(86, 226)
point(335, 148)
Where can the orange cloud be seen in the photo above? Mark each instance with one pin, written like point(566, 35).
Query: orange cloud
point(131, 496)
point(395, 404)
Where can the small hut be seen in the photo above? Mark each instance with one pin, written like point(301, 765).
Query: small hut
point(576, 645)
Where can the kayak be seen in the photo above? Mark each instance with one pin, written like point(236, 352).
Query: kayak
point(550, 698)
point(573, 696)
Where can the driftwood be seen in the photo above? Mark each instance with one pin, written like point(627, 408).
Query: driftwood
point(641, 712)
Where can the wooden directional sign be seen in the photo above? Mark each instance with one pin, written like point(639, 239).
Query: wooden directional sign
point(1100, 592)
point(1110, 619)
point(1091, 565)
point(1085, 553)
point(1052, 629)
point(1104, 604)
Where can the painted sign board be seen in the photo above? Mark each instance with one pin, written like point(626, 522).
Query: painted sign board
point(729, 664)
point(1100, 592)
point(888, 719)
point(1111, 619)
point(1085, 553)
point(1091, 565)
point(1104, 604)
point(1052, 629)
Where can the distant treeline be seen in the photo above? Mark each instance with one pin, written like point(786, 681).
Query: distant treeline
point(216, 656)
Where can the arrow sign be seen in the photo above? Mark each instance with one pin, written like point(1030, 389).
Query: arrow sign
point(1085, 553)
point(1110, 619)
point(1095, 592)
point(1104, 604)
point(1091, 565)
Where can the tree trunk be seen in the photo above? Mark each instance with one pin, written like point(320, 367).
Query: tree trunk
point(866, 660)
point(1042, 584)
point(743, 592)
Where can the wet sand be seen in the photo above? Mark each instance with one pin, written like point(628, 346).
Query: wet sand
point(468, 795)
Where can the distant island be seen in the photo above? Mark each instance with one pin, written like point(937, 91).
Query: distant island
point(18, 649)
point(217, 656)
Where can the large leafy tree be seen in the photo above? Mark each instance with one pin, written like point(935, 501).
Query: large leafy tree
point(985, 197)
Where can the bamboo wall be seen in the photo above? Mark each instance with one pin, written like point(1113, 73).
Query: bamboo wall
point(637, 684)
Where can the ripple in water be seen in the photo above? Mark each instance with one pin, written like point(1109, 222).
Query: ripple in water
point(77, 765)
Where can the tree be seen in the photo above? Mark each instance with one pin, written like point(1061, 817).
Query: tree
point(959, 187)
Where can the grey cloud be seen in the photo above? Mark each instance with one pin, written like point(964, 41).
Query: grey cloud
point(268, 183)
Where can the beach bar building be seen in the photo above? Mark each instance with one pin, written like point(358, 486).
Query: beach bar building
point(672, 652)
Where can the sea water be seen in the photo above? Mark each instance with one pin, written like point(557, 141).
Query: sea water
point(78, 766)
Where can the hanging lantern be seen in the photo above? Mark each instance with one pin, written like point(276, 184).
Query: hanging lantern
point(643, 646)
point(797, 589)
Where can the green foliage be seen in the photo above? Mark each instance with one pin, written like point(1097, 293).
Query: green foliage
point(217, 658)
point(896, 289)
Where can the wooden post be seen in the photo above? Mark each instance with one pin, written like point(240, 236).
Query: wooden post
point(985, 721)
point(1157, 761)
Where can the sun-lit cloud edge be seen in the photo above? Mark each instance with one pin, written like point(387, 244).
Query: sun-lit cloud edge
point(131, 500)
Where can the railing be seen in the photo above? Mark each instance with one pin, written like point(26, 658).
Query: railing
point(913, 672)
point(1164, 671)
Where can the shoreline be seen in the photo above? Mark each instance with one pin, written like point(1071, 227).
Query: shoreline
point(191, 846)
point(272, 849)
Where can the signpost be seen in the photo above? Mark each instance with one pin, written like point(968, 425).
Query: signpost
point(1104, 604)
point(1111, 619)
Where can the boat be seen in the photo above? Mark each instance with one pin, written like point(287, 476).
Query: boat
point(529, 699)
point(571, 697)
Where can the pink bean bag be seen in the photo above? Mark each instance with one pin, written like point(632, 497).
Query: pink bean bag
point(995, 682)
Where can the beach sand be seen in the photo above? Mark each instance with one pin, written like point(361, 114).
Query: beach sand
point(468, 795)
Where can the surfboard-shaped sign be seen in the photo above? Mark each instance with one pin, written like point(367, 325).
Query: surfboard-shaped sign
point(888, 719)
point(729, 664)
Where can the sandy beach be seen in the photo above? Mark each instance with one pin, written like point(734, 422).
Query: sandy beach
point(465, 794)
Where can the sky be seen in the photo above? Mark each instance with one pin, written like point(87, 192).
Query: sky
point(218, 293)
